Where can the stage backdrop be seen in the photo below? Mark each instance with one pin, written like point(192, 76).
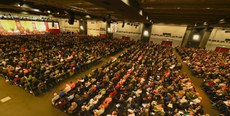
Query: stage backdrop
point(22, 27)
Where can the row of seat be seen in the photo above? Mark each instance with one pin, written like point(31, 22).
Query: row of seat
point(145, 80)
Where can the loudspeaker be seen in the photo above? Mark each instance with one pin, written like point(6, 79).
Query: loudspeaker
point(71, 18)
point(52, 23)
point(123, 24)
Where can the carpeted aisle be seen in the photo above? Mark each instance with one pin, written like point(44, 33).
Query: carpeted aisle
point(205, 102)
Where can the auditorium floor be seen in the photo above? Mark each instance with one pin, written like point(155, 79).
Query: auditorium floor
point(205, 102)
point(22, 103)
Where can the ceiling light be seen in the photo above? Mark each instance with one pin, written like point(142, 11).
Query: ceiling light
point(222, 21)
point(58, 13)
point(87, 16)
point(147, 18)
point(208, 8)
point(48, 11)
point(141, 12)
point(19, 5)
point(36, 10)
point(205, 23)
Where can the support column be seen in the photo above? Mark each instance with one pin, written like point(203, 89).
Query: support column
point(196, 37)
point(83, 27)
point(186, 36)
point(205, 38)
point(146, 32)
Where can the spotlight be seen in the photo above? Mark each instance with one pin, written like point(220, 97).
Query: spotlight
point(108, 29)
point(196, 37)
point(146, 33)
point(81, 27)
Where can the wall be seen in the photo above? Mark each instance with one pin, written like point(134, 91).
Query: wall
point(95, 28)
point(217, 39)
point(66, 27)
point(130, 31)
point(177, 33)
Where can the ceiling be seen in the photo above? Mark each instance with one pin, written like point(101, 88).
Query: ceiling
point(187, 11)
point(166, 11)
point(99, 9)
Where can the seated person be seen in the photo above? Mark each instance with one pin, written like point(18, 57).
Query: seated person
point(56, 97)
point(100, 111)
point(72, 107)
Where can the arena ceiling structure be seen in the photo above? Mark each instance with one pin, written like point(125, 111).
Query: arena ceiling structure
point(187, 11)
point(156, 11)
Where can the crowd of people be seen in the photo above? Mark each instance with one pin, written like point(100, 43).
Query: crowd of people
point(38, 62)
point(214, 68)
point(145, 80)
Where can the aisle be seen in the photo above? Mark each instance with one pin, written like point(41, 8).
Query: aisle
point(205, 102)
point(22, 103)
